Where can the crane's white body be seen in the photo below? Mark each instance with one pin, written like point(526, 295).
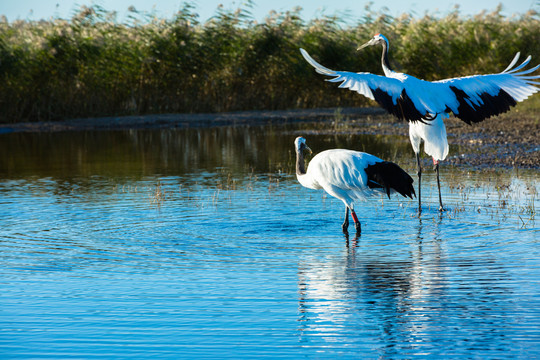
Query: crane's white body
point(341, 174)
point(350, 175)
point(433, 134)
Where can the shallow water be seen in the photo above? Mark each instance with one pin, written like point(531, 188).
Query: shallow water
point(201, 244)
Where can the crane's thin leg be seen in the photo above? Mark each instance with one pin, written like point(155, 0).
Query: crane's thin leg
point(419, 173)
point(441, 208)
point(356, 223)
point(345, 225)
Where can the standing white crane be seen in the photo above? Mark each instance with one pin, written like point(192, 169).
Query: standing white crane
point(350, 175)
point(424, 104)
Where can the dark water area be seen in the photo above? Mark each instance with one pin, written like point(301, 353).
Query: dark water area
point(200, 243)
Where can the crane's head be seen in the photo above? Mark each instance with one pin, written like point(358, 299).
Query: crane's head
point(300, 145)
point(376, 40)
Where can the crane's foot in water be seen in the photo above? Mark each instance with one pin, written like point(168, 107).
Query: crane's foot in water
point(358, 229)
point(345, 227)
point(356, 223)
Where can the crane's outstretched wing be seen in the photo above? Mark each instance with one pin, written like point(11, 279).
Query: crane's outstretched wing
point(390, 93)
point(482, 96)
point(472, 98)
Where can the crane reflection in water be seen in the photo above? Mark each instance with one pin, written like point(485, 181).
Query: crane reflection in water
point(372, 298)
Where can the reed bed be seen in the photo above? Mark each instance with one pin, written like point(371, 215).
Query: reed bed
point(94, 65)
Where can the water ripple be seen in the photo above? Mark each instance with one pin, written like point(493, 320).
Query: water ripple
point(216, 262)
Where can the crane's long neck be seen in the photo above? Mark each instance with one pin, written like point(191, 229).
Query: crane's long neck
point(384, 60)
point(300, 163)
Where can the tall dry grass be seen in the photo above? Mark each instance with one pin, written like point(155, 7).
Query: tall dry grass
point(94, 65)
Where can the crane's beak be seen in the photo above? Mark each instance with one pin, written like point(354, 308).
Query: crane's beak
point(308, 149)
point(370, 42)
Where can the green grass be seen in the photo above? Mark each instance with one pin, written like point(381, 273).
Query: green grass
point(94, 65)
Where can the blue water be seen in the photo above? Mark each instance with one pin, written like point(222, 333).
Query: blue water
point(202, 244)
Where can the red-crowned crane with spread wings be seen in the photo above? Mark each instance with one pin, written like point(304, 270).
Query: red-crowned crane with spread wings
point(424, 104)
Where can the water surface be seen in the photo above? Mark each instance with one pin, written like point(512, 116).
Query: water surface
point(200, 243)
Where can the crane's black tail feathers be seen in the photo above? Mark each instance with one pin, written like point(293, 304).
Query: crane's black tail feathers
point(390, 176)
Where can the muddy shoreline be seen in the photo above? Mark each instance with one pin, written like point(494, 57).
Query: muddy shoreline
point(168, 121)
point(509, 140)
